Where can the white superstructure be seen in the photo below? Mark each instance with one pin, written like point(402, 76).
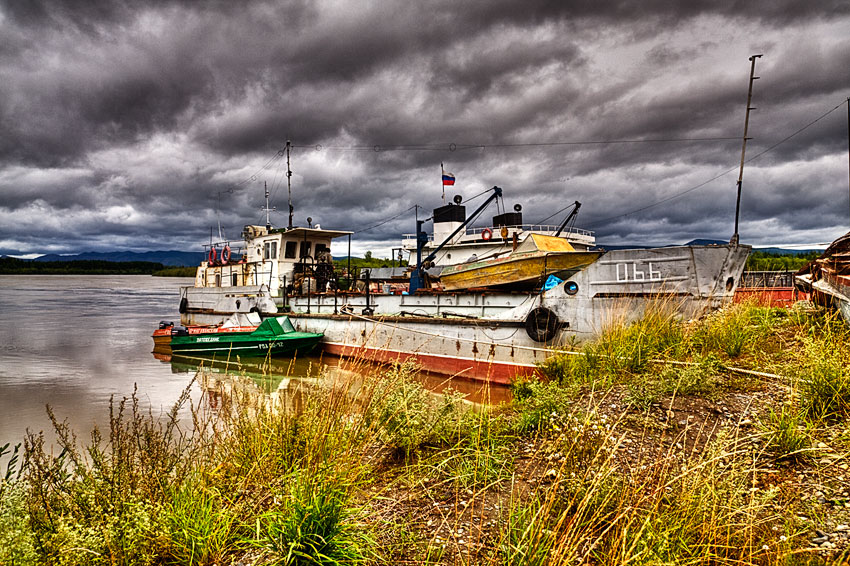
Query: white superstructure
point(506, 232)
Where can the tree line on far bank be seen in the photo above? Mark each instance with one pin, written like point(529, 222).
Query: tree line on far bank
point(15, 266)
point(770, 261)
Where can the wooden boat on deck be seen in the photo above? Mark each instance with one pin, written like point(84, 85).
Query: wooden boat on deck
point(535, 259)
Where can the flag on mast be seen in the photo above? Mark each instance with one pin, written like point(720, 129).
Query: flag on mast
point(448, 180)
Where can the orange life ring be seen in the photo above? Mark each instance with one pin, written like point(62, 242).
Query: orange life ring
point(225, 255)
point(486, 234)
point(212, 256)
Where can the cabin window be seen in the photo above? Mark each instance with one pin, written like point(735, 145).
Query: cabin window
point(270, 250)
point(291, 247)
point(305, 249)
point(234, 279)
point(218, 280)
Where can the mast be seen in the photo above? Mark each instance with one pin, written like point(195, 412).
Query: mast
point(753, 58)
point(267, 209)
point(288, 183)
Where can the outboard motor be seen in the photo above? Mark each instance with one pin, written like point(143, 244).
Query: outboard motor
point(179, 331)
point(163, 324)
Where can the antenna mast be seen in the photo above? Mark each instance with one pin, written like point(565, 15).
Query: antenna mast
point(753, 58)
point(267, 209)
point(289, 182)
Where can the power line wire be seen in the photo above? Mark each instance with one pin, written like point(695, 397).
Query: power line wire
point(378, 148)
point(384, 221)
point(704, 183)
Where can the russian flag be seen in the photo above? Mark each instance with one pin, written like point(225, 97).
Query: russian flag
point(448, 179)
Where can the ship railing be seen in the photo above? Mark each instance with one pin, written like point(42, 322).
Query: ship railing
point(766, 279)
point(409, 240)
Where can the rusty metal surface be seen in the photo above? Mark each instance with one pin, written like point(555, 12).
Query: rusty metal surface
point(828, 276)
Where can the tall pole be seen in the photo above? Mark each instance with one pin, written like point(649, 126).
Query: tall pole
point(744, 145)
point(289, 182)
point(266, 208)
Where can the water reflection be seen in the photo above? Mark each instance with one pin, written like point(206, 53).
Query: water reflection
point(283, 379)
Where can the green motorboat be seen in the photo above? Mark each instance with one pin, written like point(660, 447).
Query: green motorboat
point(274, 337)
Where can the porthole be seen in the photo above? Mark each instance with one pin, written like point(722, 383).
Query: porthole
point(571, 288)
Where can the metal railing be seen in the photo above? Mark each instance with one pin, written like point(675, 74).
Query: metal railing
point(542, 228)
point(767, 279)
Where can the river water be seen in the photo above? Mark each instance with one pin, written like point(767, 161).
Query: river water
point(74, 341)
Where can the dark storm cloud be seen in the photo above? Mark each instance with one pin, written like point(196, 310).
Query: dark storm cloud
point(125, 123)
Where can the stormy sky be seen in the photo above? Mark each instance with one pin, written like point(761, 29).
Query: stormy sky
point(144, 125)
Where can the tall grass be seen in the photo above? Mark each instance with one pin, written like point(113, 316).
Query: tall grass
point(334, 474)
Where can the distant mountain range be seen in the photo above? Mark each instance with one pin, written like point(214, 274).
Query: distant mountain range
point(171, 258)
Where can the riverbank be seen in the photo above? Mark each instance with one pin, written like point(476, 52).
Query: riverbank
point(644, 447)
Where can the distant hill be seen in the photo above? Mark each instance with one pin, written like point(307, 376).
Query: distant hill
point(170, 258)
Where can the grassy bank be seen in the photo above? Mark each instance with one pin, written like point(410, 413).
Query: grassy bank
point(644, 447)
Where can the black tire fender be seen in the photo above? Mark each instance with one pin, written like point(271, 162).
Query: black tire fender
point(542, 324)
point(184, 305)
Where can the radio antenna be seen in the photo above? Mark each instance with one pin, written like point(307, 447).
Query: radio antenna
point(289, 182)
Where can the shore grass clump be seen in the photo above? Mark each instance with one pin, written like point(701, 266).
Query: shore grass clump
point(544, 405)
point(727, 330)
point(701, 377)
point(787, 434)
point(480, 455)
point(528, 540)
point(824, 381)
point(623, 348)
point(669, 510)
point(314, 524)
point(202, 528)
point(408, 418)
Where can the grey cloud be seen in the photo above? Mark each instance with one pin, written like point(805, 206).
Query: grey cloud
point(117, 115)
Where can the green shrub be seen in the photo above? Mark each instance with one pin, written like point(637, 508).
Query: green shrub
point(17, 542)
